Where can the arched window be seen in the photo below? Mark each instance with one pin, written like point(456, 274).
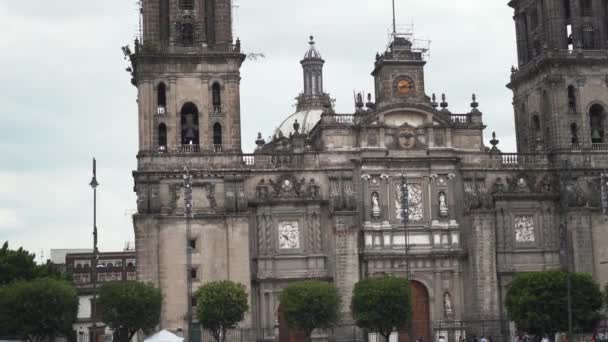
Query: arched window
point(574, 133)
point(189, 123)
point(186, 32)
point(217, 137)
point(186, 4)
point(162, 135)
point(536, 124)
point(161, 98)
point(597, 117)
point(216, 97)
point(571, 99)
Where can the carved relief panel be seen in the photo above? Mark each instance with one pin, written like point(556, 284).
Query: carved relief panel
point(524, 229)
point(408, 200)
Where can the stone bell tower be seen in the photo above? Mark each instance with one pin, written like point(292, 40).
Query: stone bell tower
point(186, 68)
point(560, 84)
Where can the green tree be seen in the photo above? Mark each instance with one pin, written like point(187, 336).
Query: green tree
point(382, 305)
point(537, 302)
point(310, 305)
point(16, 265)
point(221, 305)
point(128, 307)
point(39, 309)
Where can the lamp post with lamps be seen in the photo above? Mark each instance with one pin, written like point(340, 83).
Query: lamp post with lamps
point(94, 184)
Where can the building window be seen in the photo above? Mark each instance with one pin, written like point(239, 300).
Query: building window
point(572, 99)
point(216, 96)
point(534, 19)
point(189, 122)
point(186, 33)
point(163, 13)
point(567, 10)
point(161, 98)
point(186, 5)
point(194, 301)
point(586, 8)
point(536, 124)
point(162, 135)
point(574, 133)
point(588, 36)
point(194, 274)
point(597, 117)
point(217, 137)
point(193, 244)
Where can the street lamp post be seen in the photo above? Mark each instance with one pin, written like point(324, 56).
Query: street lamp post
point(405, 215)
point(188, 200)
point(94, 185)
point(565, 176)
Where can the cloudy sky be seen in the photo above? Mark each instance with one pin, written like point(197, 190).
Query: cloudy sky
point(65, 96)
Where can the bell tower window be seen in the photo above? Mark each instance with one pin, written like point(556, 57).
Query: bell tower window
point(574, 133)
point(189, 123)
point(217, 137)
point(163, 11)
point(586, 9)
point(187, 5)
point(567, 10)
point(597, 118)
point(571, 99)
point(161, 99)
point(162, 136)
point(588, 36)
point(216, 97)
point(186, 33)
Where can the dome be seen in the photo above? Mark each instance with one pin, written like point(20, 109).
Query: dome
point(312, 52)
point(307, 119)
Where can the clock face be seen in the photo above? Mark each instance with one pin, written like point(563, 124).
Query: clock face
point(289, 235)
point(405, 87)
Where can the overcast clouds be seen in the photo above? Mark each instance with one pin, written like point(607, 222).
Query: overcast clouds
point(65, 96)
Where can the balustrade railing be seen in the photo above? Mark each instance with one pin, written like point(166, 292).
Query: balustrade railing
point(340, 119)
point(217, 109)
point(599, 147)
point(460, 119)
point(189, 148)
point(218, 148)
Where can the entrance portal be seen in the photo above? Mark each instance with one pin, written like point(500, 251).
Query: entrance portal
point(421, 325)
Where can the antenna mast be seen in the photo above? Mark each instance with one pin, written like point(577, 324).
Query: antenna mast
point(394, 19)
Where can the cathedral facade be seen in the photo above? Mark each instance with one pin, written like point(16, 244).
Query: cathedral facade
point(400, 186)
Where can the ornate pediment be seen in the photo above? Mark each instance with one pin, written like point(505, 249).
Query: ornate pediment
point(287, 187)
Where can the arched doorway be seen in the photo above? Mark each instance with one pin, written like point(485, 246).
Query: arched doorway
point(421, 324)
point(285, 334)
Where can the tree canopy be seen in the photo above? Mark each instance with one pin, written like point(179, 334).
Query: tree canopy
point(537, 302)
point(382, 304)
point(221, 306)
point(38, 309)
point(129, 306)
point(310, 305)
point(16, 265)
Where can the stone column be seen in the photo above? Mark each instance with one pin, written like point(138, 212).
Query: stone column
point(366, 198)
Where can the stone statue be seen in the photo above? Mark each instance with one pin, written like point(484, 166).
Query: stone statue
point(443, 205)
point(376, 211)
point(447, 305)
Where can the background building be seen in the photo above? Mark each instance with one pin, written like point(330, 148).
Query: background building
point(111, 266)
point(399, 186)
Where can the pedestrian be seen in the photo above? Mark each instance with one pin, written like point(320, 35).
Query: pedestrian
point(545, 338)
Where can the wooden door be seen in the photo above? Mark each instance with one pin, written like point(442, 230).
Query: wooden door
point(421, 325)
point(285, 334)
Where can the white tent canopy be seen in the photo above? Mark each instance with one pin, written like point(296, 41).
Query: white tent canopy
point(164, 336)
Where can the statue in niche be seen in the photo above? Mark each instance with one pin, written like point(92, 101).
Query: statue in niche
point(447, 305)
point(443, 205)
point(376, 211)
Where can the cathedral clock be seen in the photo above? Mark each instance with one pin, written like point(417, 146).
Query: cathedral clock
point(404, 86)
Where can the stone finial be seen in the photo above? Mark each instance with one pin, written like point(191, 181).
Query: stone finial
point(296, 127)
point(260, 141)
point(312, 40)
point(474, 104)
point(444, 103)
point(494, 142)
point(370, 105)
point(434, 103)
point(359, 101)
